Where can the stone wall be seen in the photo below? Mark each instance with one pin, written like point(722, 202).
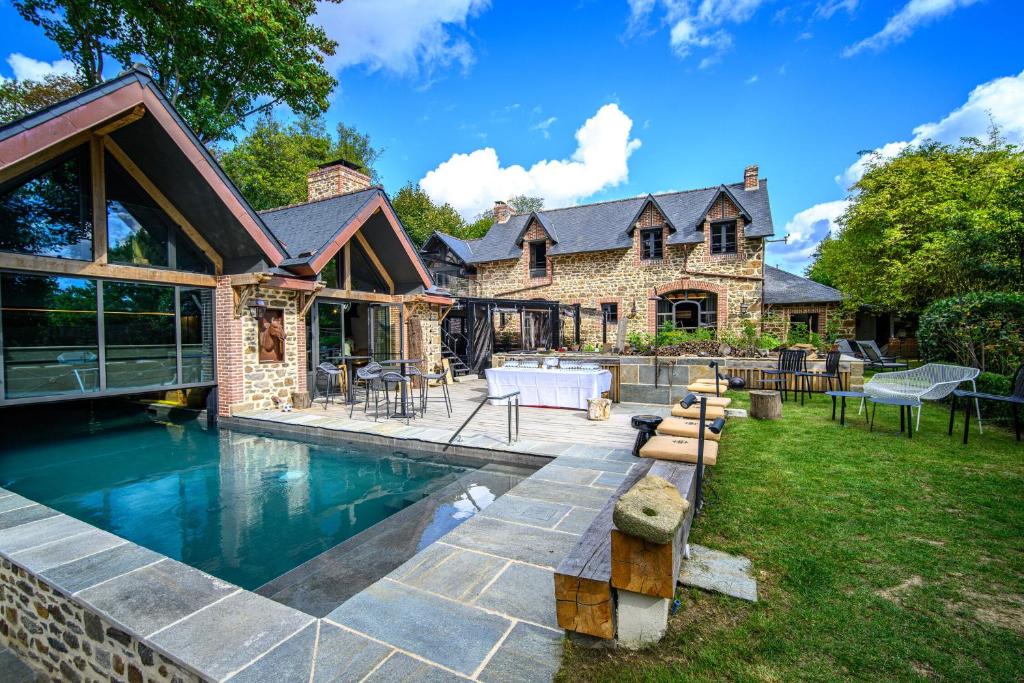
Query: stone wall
point(62, 639)
point(776, 319)
point(620, 276)
point(423, 332)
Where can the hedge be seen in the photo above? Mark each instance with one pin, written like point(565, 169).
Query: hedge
point(983, 330)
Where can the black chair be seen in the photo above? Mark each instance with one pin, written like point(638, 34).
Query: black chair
point(367, 380)
point(831, 373)
point(331, 374)
point(405, 404)
point(791, 361)
point(1015, 399)
point(425, 378)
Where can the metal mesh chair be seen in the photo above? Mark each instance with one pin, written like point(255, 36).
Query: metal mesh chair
point(331, 374)
point(930, 382)
point(425, 378)
point(368, 381)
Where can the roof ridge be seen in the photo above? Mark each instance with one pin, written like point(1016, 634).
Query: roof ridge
point(638, 196)
point(325, 199)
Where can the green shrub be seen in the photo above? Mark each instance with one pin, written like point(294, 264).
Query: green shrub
point(768, 342)
point(991, 383)
point(982, 330)
point(640, 341)
point(798, 334)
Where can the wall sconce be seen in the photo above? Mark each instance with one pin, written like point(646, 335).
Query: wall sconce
point(257, 306)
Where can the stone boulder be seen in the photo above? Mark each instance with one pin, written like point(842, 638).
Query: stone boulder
point(652, 510)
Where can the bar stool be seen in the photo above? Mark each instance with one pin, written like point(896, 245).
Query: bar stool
point(368, 381)
point(331, 373)
point(407, 409)
point(425, 378)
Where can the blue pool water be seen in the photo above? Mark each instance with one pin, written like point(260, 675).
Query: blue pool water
point(243, 507)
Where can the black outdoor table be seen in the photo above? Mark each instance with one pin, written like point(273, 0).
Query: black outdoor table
point(842, 411)
point(402, 362)
point(906, 406)
point(349, 369)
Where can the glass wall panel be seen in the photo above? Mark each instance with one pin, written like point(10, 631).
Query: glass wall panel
point(196, 307)
point(138, 230)
point(138, 324)
point(365, 276)
point(49, 335)
point(331, 274)
point(189, 257)
point(50, 212)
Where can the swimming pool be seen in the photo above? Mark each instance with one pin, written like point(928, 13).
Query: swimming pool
point(244, 507)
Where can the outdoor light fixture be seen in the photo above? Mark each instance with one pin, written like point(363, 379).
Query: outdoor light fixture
point(715, 427)
point(257, 306)
point(714, 366)
point(655, 298)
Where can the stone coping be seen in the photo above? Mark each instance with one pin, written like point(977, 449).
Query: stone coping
point(478, 604)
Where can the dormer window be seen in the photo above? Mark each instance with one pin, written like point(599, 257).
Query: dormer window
point(538, 258)
point(652, 246)
point(723, 237)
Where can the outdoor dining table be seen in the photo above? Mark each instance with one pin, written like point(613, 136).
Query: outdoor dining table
point(349, 369)
point(554, 388)
point(403, 412)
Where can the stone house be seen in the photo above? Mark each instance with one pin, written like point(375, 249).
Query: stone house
point(694, 259)
point(130, 264)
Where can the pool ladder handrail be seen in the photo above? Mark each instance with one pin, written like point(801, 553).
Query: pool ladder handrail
point(476, 410)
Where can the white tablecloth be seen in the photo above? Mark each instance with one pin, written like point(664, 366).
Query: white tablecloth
point(548, 388)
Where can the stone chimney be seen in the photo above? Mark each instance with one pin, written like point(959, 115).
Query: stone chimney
point(335, 178)
point(750, 178)
point(502, 212)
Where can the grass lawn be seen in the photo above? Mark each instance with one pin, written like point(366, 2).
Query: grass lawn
point(877, 557)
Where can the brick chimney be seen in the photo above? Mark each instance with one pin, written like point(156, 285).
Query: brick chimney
point(502, 212)
point(750, 178)
point(334, 178)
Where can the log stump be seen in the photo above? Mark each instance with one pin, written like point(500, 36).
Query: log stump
point(765, 405)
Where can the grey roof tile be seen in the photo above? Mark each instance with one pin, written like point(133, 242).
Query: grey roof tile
point(304, 229)
point(461, 248)
point(605, 225)
point(781, 287)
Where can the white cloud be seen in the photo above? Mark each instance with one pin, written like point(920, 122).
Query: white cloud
point(903, 24)
point(472, 182)
point(752, 80)
point(693, 25)
point(826, 10)
point(404, 37)
point(28, 69)
point(806, 230)
point(1000, 101)
point(544, 125)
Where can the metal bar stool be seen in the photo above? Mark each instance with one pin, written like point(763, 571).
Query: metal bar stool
point(405, 405)
point(425, 378)
point(367, 380)
point(331, 373)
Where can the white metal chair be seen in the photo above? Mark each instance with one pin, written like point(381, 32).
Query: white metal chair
point(930, 382)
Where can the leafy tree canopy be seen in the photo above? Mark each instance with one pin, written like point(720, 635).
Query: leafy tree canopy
point(20, 98)
point(270, 164)
point(938, 220)
point(522, 204)
point(421, 216)
point(218, 61)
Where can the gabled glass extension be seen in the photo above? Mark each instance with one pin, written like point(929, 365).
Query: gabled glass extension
point(65, 336)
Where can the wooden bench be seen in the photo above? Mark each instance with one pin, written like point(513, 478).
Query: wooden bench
point(605, 558)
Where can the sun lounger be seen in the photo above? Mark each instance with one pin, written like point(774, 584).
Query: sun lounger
point(693, 411)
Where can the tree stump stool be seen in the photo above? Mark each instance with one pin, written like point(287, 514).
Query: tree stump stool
point(765, 405)
point(599, 408)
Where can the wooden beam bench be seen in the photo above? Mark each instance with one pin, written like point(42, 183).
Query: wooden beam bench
point(606, 566)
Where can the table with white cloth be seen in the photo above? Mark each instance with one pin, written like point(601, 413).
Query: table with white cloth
point(553, 388)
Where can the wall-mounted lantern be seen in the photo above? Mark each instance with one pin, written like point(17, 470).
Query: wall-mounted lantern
point(257, 306)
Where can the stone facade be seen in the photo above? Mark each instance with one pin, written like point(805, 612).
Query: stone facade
point(67, 642)
point(776, 319)
point(622, 277)
point(423, 334)
point(245, 383)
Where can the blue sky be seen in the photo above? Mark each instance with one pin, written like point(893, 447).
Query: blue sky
point(581, 100)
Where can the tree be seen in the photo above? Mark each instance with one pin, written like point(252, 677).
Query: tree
point(270, 164)
point(936, 221)
point(421, 216)
point(218, 61)
point(20, 98)
point(521, 204)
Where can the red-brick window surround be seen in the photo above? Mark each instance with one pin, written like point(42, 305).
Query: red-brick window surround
point(652, 244)
point(723, 237)
point(538, 258)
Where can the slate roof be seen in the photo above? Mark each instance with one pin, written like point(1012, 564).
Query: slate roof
point(304, 229)
point(461, 248)
point(781, 287)
point(606, 225)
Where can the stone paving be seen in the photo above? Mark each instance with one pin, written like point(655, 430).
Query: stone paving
point(713, 570)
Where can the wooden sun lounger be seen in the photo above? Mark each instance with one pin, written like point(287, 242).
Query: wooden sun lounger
point(679, 449)
point(680, 426)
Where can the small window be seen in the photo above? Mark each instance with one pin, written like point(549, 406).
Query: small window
point(651, 245)
point(538, 259)
point(808, 319)
point(609, 318)
point(723, 237)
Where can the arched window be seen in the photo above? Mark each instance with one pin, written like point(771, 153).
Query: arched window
point(688, 309)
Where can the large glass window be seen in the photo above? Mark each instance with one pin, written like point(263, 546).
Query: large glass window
point(49, 213)
point(723, 237)
point(141, 233)
point(138, 325)
point(196, 308)
point(333, 273)
point(49, 335)
point(688, 309)
point(365, 276)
